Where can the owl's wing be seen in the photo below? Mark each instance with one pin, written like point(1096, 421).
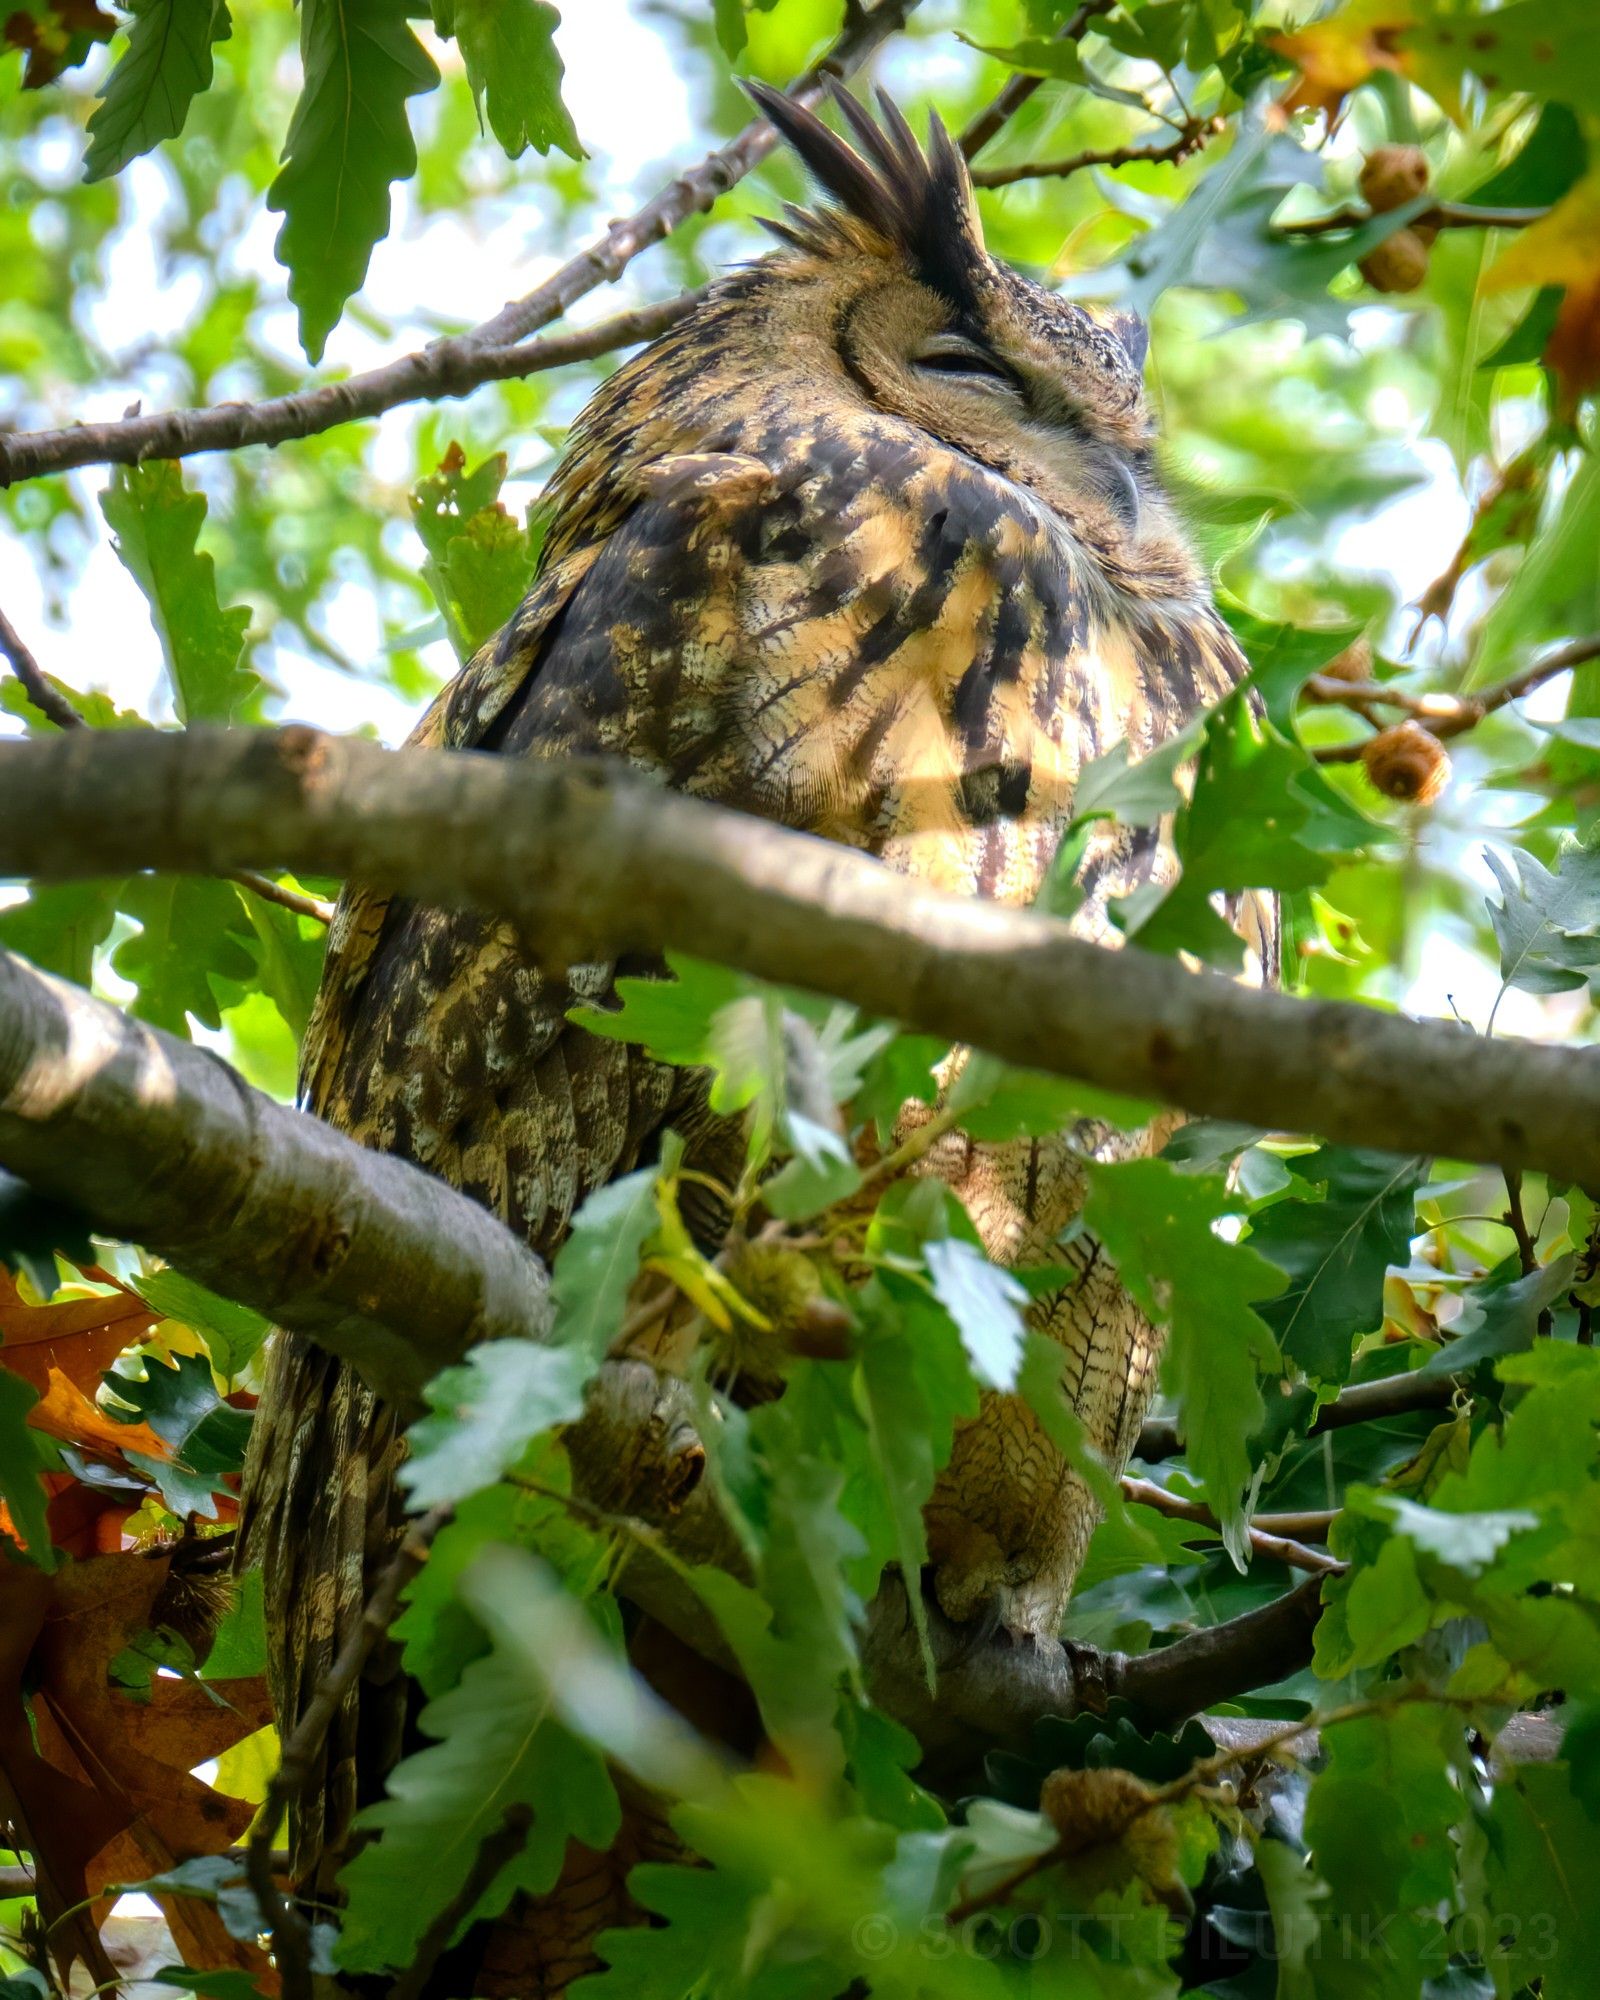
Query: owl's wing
point(437, 1037)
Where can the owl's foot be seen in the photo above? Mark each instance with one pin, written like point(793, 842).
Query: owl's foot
point(991, 1679)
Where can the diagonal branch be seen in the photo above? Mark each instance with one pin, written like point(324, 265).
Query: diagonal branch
point(591, 861)
point(447, 368)
point(162, 1144)
point(1021, 87)
point(489, 352)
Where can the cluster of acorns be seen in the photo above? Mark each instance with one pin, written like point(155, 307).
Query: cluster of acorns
point(1390, 177)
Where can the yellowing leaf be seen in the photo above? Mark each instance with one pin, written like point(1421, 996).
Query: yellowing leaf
point(1334, 55)
point(1562, 249)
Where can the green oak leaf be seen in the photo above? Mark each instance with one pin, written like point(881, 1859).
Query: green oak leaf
point(514, 69)
point(33, 1227)
point(495, 1748)
point(599, 1261)
point(146, 98)
point(485, 1413)
point(58, 925)
point(1157, 1224)
point(987, 1305)
point(348, 141)
point(233, 1333)
point(20, 1468)
point(156, 521)
point(194, 937)
point(1547, 922)
point(1336, 1249)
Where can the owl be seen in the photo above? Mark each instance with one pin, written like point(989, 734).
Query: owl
point(872, 544)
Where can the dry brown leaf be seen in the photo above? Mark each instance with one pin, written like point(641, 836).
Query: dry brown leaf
point(46, 39)
point(106, 1787)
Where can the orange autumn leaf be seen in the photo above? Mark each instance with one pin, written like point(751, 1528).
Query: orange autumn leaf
point(66, 1413)
point(1572, 353)
point(1339, 53)
point(81, 1337)
point(1561, 248)
point(63, 1821)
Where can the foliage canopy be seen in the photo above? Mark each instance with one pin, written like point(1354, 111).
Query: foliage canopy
point(1368, 238)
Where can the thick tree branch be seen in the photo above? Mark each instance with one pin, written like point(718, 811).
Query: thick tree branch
point(993, 1693)
point(492, 351)
point(591, 861)
point(162, 1144)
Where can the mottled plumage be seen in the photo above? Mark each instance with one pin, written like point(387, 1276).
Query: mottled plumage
point(870, 544)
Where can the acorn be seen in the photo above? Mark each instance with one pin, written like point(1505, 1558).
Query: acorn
point(785, 1287)
point(1398, 264)
point(1353, 664)
point(1392, 176)
point(1092, 1808)
point(1407, 762)
point(1112, 1832)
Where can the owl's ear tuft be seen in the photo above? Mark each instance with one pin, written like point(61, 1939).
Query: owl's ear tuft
point(920, 203)
point(1132, 336)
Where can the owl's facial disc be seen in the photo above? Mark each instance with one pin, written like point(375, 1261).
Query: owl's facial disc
point(1024, 392)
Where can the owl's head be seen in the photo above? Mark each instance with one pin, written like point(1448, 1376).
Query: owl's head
point(931, 328)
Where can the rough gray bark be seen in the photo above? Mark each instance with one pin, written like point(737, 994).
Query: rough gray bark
point(590, 860)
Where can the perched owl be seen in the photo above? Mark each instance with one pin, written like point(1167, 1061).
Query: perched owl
point(870, 544)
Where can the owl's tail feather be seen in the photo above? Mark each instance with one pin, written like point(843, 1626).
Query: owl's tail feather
point(321, 1514)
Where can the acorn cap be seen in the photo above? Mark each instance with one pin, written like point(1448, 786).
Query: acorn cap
point(1407, 762)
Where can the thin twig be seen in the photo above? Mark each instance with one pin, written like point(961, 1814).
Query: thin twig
point(298, 900)
point(503, 1845)
point(54, 706)
point(1271, 1540)
point(488, 352)
point(1517, 1221)
point(1191, 137)
point(1006, 1887)
point(920, 1141)
point(1009, 101)
point(50, 701)
point(1443, 715)
point(1443, 215)
point(297, 1760)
